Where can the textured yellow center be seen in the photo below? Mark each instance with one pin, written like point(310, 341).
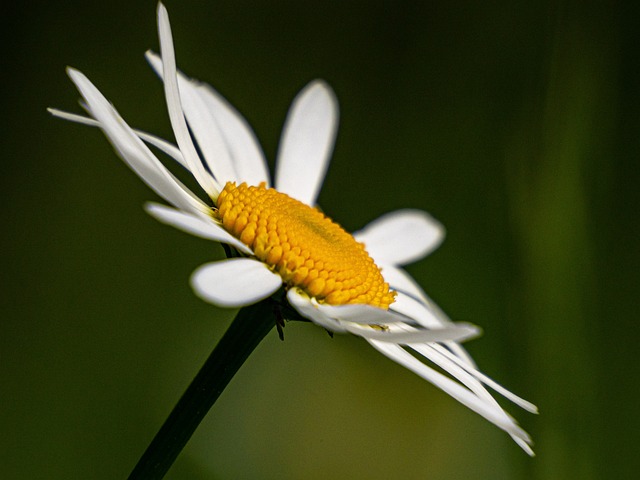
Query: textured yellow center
point(307, 249)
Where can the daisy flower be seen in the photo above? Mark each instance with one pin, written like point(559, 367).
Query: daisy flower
point(280, 244)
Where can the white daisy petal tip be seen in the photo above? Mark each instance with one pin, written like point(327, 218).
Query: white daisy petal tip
point(470, 393)
point(162, 11)
point(321, 87)
point(236, 282)
point(76, 76)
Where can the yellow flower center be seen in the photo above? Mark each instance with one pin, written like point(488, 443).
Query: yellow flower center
point(306, 248)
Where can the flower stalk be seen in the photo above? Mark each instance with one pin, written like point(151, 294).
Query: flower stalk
point(251, 325)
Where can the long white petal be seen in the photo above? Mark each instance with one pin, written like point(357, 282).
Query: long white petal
point(132, 150)
point(174, 107)
point(495, 415)
point(249, 163)
point(470, 381)
point(420, 312)
point(200, 226)
point(308, 309)
point(235, 282)
point(405, 334)
point(521, 402)
point(365, 314)
point(307, 142)
point(403, 283)
point(401, 237)
point(226, 140)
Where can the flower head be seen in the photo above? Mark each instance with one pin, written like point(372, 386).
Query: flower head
point(281, 241)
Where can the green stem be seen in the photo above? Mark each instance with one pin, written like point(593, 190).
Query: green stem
point(249, 327)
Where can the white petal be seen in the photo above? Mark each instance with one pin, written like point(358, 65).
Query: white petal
point(404, 334)
point(470, 381)
point(308, 309)
point(420, 312)
point(226, 140)
point(246, 154)
point(401, 237)
point(159, 143)
point(235, 282)
point(486, 380)
point(200, 226)
point(132, 150)
point(72, 117)
point(365, 314)
point(403, 283)
point(163, 146)
point(307, 142)
point(428, 314)
point(174, 106)
point(495, 415)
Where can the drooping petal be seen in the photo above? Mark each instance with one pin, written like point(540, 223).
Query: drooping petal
point(492, 413)
point(307, 142)
point(405, 334)
point(226, 140)
point(472, 383)
point(530, 407)
point(308, 309)
point(235, 282)
point(420, 312)
point(404, 284)
point(401, 237)
point(401, 281)
point(199, 226)
point(132, 150)
point(365, 314)
point(174, 107)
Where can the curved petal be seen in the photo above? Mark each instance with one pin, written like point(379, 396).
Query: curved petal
point(471, 382)
point(401, 237)
point(522, 403)
point(430, 315)
point(132, 150)
point(407, 335)
point(303, 304)
point(228, 144)
point(307, 142)
point(365, 314)
point(493, 413)
point(235, 282)
point(195, 225)
point(174, 107)
point(402, 282)
point(421, 313)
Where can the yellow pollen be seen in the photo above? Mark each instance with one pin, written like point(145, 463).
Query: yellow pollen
point(306, 248)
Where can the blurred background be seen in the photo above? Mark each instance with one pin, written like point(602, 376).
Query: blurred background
point(516, 124)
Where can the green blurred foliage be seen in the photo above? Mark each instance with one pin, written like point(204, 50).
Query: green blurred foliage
point(514, 123)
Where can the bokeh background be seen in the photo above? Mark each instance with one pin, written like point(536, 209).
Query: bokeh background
point(516, 124)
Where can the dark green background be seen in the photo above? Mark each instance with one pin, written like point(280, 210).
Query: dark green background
point(517, 124)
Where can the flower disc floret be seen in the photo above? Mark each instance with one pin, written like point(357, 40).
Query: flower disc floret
point(305, 247)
